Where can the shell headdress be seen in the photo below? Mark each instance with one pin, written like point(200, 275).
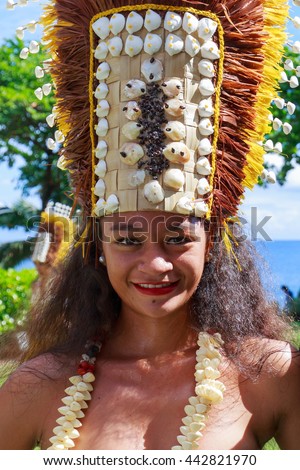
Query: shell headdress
point(163, 106)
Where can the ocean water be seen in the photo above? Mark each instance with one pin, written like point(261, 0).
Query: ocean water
point(283, 266)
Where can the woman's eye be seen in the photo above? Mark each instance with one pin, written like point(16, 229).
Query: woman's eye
point(128, 241)
point(177, 240)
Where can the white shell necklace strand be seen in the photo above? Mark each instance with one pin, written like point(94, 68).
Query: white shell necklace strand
point(208, 391)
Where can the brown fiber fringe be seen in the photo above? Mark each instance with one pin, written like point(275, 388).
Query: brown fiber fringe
point(243, 23)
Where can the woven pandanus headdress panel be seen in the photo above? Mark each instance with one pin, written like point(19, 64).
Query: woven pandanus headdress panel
point(164, 106)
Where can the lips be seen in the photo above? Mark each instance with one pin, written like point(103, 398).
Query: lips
point(156, 288)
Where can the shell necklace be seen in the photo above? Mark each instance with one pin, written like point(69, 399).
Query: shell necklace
point(208, 391)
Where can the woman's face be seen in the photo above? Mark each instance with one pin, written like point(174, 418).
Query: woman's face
point(154, 260)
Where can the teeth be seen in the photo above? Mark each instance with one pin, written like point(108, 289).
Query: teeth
point(155, 286)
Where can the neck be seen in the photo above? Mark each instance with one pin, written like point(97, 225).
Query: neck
point(136, 337)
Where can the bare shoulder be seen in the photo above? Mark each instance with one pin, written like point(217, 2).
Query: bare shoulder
point(276, 391)
point(25, 398)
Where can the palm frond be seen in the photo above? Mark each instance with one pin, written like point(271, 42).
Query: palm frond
point(12, 253)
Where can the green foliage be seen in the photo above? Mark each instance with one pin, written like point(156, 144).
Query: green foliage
point(291, 143)
point(15, 291)
point(23, 129)
point(20, 214)
point(271, 445)
point(13, 253)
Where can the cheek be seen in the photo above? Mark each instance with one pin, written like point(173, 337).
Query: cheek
point(194, 266)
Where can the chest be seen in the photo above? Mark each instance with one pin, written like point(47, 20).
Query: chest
point(131, 409)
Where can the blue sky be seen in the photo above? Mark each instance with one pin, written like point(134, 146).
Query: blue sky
point(282, 204)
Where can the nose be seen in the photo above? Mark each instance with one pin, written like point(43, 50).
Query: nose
point(154, 261)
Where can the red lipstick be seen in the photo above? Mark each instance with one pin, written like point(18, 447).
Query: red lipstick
point(151, 289)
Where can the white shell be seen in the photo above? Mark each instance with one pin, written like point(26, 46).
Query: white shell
point(131, 130)
point(177, 152)
point(100, 169)
point(152, 20)
point(172, 88)
point(24, 53)
point(101, 27)
point(291, 107)
point(101, 51)
point(20, 32)
point(204, 147)
point(117, 23)
point(89, 378)
point(107, 207)
point(205, 127)
point(39, 93)
point(103, 108)
point(152, 43)
point(103, 71)
point(102, 127)
point(115, 46)
point(174, 178)
point(112, 204)
point(131, 153)
point(190, 23)
point(134, 22)
point(101, 91)
point(271, 177)
point(192, 45)
point(132, 110)
point(173, 21)
point(152, 69)
point(203, 166)
point(134, 89)
point(279, 102)
point(206, 87)
point(185, 205)
point(210, 50)
point(263, 174)
point(206, 68)
point(153, 192)
point(175, 107)
point(50, 143)
point(268, 145)
point(174, 44)
point(294, 82)
point(175, 130)
point(59, 137)
point(287, 128)
point(137, 178)
point(133, 45)
point(206, 108)
point(99, 190)
point(31, 26)
point(46, 88)
point(39, 72)
point(34, 47)
point(207, 28)
point(203, 186)
point(101, 149)
point(50, 120)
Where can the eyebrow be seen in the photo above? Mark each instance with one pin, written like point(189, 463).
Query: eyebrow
point(119, 226)
point(129, 228)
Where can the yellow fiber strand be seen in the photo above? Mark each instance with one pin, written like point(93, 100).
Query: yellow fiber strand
point(228, 239)
point(275, 23)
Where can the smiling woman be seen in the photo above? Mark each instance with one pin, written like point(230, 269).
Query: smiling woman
point(156, 332)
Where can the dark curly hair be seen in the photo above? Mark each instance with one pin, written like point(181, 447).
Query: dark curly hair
point(80, 304)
